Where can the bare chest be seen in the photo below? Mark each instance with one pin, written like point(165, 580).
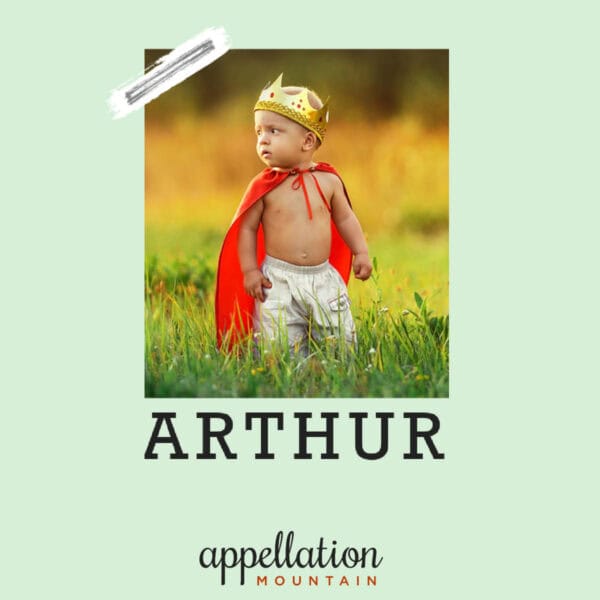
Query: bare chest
point(291, 201)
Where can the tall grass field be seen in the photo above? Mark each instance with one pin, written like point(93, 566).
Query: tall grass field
point(397, 178)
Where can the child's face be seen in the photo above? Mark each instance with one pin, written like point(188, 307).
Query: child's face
point(280, 142)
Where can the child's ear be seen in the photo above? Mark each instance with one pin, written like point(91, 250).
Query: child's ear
point(310, 141)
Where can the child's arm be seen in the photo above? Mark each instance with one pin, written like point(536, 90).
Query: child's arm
point(347, 224)
point(254, 281)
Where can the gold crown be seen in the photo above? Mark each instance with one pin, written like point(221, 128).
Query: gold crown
point(294, 106)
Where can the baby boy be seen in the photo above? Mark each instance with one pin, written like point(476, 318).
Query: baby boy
point(295, 233)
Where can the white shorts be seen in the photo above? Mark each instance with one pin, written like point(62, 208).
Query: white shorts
point(303, 302)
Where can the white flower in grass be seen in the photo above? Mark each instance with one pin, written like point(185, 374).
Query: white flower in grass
point(372, 351)
point(383, 309)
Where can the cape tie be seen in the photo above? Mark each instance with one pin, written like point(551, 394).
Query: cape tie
point(299, 182)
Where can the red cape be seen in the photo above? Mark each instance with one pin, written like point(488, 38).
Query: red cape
point(232, 305)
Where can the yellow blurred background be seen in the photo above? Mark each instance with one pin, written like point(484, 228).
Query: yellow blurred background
point(387, 137)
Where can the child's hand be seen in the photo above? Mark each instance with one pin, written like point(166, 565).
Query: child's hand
point(362, 266)
point(254, 282)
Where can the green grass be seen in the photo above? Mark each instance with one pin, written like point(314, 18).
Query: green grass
point(401, 351)
point(399, 191)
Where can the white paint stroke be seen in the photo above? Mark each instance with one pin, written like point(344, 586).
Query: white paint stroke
point(169, 70)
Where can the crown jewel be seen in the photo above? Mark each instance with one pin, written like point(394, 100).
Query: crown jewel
point(294, 106)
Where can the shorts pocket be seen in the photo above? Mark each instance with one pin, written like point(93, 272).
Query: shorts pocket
point(339, 303)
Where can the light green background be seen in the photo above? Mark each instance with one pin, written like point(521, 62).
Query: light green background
point(510, 513)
